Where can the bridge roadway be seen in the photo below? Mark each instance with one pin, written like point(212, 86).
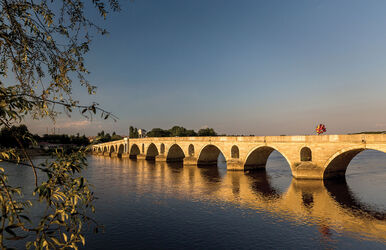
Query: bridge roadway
point(309, 157)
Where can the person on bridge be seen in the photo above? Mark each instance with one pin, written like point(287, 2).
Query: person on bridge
point(320, 129)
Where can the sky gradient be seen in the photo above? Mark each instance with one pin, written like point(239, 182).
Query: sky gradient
point(241, 67)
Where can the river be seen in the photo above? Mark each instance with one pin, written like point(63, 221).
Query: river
point(147, 205)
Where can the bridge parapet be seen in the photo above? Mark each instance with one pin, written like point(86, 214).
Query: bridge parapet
point(309, 157)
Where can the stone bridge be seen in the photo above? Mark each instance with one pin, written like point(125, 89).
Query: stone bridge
point(309, 157)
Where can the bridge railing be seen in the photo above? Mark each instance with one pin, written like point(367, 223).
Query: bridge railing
point(357, 138)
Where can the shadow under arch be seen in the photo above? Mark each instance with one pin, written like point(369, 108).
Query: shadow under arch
point(257, 158)
point(105, 149)
point(341, 193)
point(134, 151)
point(175, 154)
point(151, 152)
point(208, 156)
point(336, 166)
point(121, 149)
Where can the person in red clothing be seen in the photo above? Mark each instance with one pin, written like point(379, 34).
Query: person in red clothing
point(320, 129)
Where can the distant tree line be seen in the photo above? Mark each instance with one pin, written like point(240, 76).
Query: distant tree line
point(77, 139)
point(176, 131)
point(106, 137)
point(369, 132)
point(9, 138)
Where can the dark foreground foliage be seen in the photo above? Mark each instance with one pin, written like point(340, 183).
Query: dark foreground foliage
point(42, 48)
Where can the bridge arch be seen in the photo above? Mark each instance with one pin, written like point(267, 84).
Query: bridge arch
point(258, 156)
point(162, 148)
point(121, 150)
point(305, 154)
point(151, 152)
point(337, 164)
point(175, 154)
point(209, 155)
point(134, 151)
point(105, 149)
point(112, 149)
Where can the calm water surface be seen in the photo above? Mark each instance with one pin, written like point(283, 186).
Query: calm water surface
point(146, 205)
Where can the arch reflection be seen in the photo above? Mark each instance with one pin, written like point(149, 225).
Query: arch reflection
point(342, 194)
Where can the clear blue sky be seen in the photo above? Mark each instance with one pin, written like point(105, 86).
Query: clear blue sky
point(241, 67)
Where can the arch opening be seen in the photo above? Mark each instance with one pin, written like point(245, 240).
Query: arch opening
point(191, 150)
point(121, 150)
point(134, 151)
point(336, 166)
point(112, 149)
point(209, 156)
point(143, 148)
point(105, 149)
point(162, 148)
point(152, 152)
point(175, 154)
point(235, 154)
point(305, 154)
point(258, 158)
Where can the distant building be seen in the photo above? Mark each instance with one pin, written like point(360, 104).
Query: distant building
point(141, 133)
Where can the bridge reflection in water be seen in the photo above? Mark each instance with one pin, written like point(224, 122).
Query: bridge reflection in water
point(330, 205)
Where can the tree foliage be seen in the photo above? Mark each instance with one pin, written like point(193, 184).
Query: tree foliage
point(76, 140)
point(133, 132)
point(8, 140)
point(158, 132)
point(181, 132)
point(178, 131)
point(42, 48)
point(102, 137)
point(207, 132)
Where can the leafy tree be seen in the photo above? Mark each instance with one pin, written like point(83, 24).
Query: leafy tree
point(136, 134)
point(158, 132)
point(131, 132)
point(181, 132)
point(42, 48)
point(116, 137)
point(102, 137)
point(207, 132)
point(190, 132)
point(8, 140)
